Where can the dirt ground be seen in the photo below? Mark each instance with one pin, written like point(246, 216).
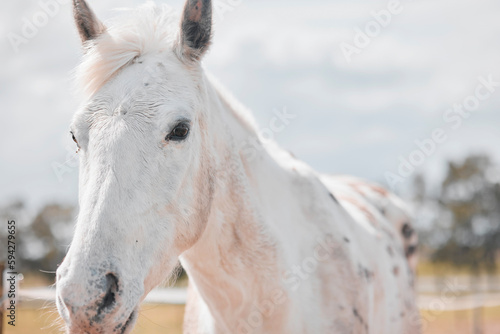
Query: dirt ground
point(461, 322)
point(161, 319)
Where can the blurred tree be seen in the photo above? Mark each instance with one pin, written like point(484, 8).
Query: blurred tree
point(44, 243)
point(13, 210)
point(470, 199)
point(473, 201)
point(419, 189)
point(41, 237)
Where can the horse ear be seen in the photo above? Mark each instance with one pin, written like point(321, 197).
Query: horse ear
point(87, 23)
point(196, 29)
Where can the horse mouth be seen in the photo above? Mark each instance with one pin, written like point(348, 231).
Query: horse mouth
point(129, 324)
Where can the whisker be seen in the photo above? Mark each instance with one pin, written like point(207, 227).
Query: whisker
point(46, 271)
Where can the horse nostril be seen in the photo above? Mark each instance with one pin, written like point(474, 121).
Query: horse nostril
point(111, 290)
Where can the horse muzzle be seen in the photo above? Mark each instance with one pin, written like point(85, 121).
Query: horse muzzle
point(99, 303)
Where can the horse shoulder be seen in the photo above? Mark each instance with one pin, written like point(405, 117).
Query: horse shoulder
point(377, 204)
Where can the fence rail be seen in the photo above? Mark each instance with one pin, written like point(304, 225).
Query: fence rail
point(444, 294)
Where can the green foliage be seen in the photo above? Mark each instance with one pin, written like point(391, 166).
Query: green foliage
point(470, 199)
point(41, 238)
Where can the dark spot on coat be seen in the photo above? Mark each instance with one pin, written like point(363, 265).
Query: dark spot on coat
point(390, 251)
point(334, 198)
point(408, 304)
point(364, 272)
point(407, 231)
point(395, 270)
point(368, 274)
point(411, 250)
point(411, 280)
point(359, 318)
point(346, 239)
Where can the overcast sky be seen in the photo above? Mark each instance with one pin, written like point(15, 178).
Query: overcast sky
point(354, 117)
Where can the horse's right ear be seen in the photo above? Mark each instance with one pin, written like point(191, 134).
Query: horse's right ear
point(89, 26)
point(196, 29)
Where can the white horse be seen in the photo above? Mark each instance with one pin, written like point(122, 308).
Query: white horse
point(172, 167)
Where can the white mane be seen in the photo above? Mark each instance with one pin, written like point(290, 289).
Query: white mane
point(140, 31)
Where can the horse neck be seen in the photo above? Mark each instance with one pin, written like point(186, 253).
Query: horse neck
point(235, 263)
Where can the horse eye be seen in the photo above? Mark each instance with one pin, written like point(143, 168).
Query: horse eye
point(76, 141)
point(73, 136)
point(180, 132)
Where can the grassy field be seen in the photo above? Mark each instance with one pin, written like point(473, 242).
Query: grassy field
point(33, 318)
point(153, 319)
point(460, 322)
point(161, 319)
point(427, 268)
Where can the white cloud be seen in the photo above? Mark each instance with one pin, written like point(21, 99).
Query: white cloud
point(274, 54)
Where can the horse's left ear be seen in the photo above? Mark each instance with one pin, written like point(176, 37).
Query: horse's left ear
point(196, 29)
point(89, 26)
